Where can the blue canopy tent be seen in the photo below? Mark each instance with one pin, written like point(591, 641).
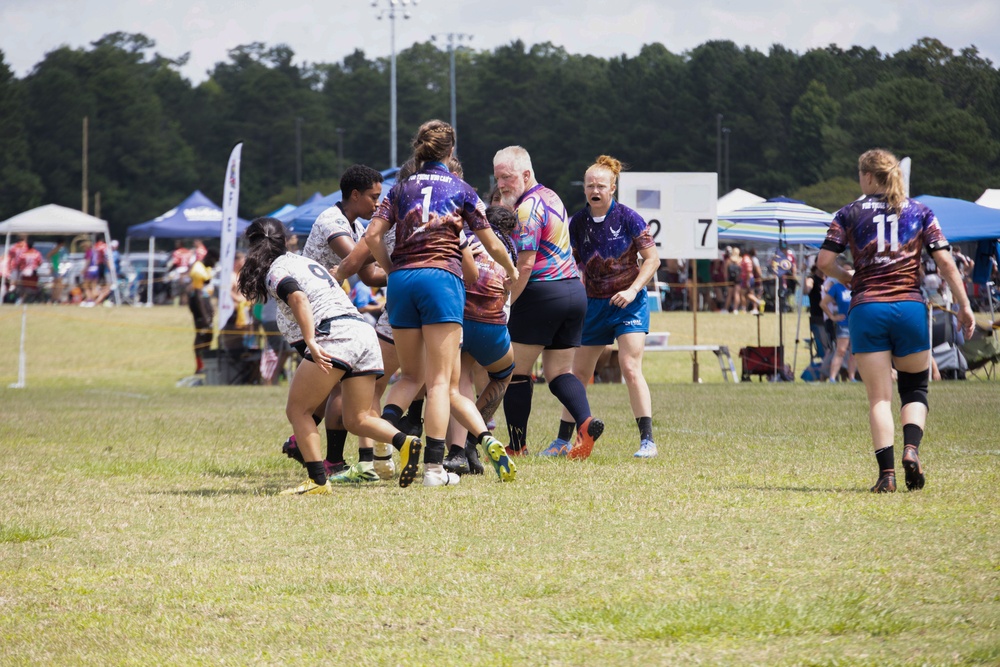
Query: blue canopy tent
point(289, 211)
point(963, 220)
point(301, 220)
point(195, 217)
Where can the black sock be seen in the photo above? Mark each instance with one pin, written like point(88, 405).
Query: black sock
point(392, 414)
point(645, 427)
point(573, 395)
point(484, 434)
point(912, 435)
point(517, 409)
point(318, 420)
point(566, 430)
point(399, 440)
point(434, 451)
point(335, 439)
point(471, 441)
point(886, 460)
point(366, 454)
point(316, 471)
point(455, 450)
point(415, 411)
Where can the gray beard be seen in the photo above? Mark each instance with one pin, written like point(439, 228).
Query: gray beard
point(508, 201)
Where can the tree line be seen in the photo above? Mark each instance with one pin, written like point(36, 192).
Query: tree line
point(795, 122)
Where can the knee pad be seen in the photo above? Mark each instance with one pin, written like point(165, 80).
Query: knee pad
point(502, 374)
point(912, 387)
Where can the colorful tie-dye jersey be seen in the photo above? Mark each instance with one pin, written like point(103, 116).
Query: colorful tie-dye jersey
point(542, 227)
point(606, 251)
point(886, 247)
point(428, 210)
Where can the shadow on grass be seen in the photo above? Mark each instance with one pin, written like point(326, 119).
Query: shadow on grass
point(801, 489)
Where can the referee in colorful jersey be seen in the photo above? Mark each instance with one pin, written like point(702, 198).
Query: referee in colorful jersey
point(548, 303)
point(888, 318)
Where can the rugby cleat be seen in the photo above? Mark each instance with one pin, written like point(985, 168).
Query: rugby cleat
point(409, 460)
point(384, 466)
point(440, 478)
point(886, 482)
point(362, 471)
point(911, 466)
point(504, 467)
point(647, 450)
point(290, 448)
point(458, 464)
point(589, 432)
point(472, 456)
point(557, 447)
point(309, 488)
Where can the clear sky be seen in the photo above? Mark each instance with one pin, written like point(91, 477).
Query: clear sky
point(327, 31)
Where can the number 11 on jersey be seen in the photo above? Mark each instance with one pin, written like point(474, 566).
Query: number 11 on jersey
point(880, 221)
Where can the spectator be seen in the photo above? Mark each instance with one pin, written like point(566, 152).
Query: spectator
point(200, 303)
point(836, 304)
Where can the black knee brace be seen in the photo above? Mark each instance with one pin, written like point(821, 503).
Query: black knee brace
point(500, 375)
point(912, 387)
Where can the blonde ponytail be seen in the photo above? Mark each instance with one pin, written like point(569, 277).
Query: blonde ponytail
point(885, 169)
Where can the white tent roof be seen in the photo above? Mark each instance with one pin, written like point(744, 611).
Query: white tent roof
point(990, 198)
point(736, 199)
point(53, 219)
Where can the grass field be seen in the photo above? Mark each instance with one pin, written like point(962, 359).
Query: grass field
point(139, 524)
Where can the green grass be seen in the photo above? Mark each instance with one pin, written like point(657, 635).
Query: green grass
point(139, 524)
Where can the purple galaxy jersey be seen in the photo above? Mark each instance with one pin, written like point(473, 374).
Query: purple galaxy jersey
point(428, 211)
point(542, 228)
point(886, 247)
point(606, 251)
point(485, 301)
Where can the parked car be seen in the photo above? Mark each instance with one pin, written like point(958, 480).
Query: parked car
point(135, 270)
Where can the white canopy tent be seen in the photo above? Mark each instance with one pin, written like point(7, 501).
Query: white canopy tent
point(55, 220)
point(736, 199)
point(990, 198)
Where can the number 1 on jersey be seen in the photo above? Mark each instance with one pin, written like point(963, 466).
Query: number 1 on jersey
point(880, 221)
point(426, 192)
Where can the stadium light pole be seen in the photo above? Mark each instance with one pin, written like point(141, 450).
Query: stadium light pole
point(392, 7)
point(453, 38)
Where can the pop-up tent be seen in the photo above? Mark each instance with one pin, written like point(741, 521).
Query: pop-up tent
point(55, 220)
point(301, 220)
point(195, 217)
point(289, 211)
point(735, 199)
point(775, 220)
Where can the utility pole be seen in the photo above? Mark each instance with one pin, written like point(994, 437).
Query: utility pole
point(726, 131)
point(83, 185)
point(453, 38)
point(718, 148)
point(298, 160)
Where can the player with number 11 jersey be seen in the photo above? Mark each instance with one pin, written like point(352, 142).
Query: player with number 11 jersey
point(886, 247)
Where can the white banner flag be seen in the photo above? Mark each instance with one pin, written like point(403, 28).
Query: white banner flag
point(227, 241)
point(904, 167)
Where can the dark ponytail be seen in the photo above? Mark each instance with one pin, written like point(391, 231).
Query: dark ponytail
point(503, 221)
point(266, 239)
